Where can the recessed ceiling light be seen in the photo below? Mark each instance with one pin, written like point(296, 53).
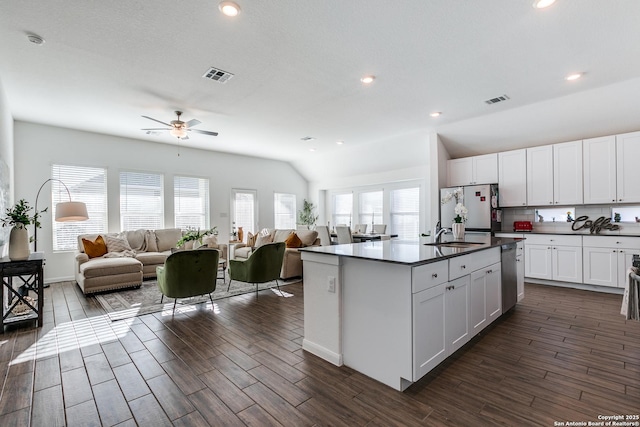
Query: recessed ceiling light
point(339, 142)
point(574, 76)
point(229, 8)
point(435, 114)
point(35, 39)
point(312, 149)
point(368, 79)
point(541, 4)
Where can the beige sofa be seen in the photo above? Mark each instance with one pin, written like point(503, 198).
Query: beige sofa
point(123, 269)
point(292, 263)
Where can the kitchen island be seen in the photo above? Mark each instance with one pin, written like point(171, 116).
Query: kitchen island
point(393, 310)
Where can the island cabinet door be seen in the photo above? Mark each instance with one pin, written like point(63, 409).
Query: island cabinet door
point(428, 330)
point(478, 301)
point(494, 292)
point(456, 314)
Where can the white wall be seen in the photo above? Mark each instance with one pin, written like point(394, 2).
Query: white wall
point(6, 165)
point(37, 147)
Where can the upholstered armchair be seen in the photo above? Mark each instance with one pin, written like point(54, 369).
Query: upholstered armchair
point(188, 274)
point(263, 265)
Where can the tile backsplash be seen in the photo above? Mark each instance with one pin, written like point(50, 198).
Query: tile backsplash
point(509, 215)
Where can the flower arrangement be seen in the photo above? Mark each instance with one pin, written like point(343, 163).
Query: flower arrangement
point(193, 234)
point(460, 210)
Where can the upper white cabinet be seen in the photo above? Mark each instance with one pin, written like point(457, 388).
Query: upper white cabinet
point(599, 161)
point(540, 175)
point(512, 178)
point(473, 170)
point(554, 174)
point(567, 173)
point(628, 172)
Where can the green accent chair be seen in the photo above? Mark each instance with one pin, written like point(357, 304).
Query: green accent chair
point(188, 274)
point(262, 266)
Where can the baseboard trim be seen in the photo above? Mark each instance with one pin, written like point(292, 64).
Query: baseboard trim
point(50, 280)
point(322, 352)
point(581, 286)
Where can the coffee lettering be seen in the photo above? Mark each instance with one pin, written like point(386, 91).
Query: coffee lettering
point(583, 222)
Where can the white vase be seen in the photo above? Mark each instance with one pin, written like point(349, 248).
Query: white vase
point(19, 243)
point(457, 229)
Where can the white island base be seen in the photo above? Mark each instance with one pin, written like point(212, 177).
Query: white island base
point(395, 321)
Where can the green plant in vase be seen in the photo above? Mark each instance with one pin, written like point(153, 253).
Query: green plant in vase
point(306, 216)
point(18, 218)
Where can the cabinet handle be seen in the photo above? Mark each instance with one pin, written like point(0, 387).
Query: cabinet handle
point(463, 267)
point(434, 275)
point(550, 203)
point(614, 251)
point(613, 200)
point(621, 251)
point(617, 243)
point(489, 271)
point(620, 199)
point(556, 203)
point(548, 247)
point(517, 260)
point(453, 287)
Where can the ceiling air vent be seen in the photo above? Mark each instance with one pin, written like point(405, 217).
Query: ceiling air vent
point(497, 99)
point(217, 75)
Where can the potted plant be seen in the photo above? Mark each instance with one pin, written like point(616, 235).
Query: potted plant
point(306, 216)
point(195, 235)
point(19, 217)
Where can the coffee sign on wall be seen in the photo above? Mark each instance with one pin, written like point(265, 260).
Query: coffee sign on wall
point(583, 222)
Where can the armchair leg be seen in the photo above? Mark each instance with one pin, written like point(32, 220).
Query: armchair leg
point(278, 285)
point(256, 290)
point(175, 300)
point(161, 298)
point(211, 299)
point(229, 287)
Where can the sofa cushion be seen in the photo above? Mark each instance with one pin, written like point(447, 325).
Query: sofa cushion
point(167, 238)
point(117, 243)
point(308, 237)
point(263, 240)
point(151, 258)
point(150, 241)
point(251, 239)
point(243, 252)
point(210, 240)
point(293, 241)
point(281, 235)
point(94, 248)
point(97, 267)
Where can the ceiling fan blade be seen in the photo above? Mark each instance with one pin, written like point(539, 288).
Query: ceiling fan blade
point(150, 118)
point(156, 129)
point(206, 132)
point(193, 122)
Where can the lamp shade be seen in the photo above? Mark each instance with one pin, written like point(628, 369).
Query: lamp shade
point(71, 211)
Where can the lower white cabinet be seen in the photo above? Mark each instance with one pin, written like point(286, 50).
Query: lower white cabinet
point(520, 270)
point(456, 314)
point(552, 257)
point(428, 325)
point(607, 259)
point(486, 297)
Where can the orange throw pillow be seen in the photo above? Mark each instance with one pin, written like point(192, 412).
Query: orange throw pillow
point(95, 248)
point(293, 241)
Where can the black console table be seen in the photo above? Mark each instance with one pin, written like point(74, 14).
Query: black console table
point(22, 279)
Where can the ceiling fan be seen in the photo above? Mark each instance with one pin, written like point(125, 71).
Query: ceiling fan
point(180, 129)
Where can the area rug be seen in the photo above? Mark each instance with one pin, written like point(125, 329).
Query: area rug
point(129, 303)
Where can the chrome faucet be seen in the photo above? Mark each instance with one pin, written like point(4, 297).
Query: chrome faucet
point(438, 232)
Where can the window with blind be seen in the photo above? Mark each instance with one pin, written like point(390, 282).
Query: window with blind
point(342, 209)
point(244, 210)
point(85, 184)
point(404, 210)
point(141, 200)
point(191, 202)
point(370, 208)
point(284, 210)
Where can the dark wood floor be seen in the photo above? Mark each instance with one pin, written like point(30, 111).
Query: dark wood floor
point(561, 355)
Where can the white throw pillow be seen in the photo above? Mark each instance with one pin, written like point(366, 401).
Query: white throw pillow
point(263, 240)
point(117, 243)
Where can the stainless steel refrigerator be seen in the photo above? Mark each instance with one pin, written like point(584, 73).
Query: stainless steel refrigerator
point(482, 203)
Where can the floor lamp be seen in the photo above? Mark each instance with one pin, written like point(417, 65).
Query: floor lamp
point(65, 211)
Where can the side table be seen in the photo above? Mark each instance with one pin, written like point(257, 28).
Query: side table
point(22, 279)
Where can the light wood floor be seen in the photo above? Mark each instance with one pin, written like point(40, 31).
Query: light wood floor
point(561, 355)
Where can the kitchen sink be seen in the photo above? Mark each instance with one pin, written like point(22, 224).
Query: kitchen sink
point(455, 244)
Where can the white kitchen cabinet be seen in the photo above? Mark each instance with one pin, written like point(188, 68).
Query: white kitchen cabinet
point(540, 176)
point(512, 178)
point(628, 172)
point(567, 173)
point(607, 258)
point(554, 174)
point(473, 170)
point(554, 257)
point(599, 170)
point(456, 314)
point(520, 269)
point(486, 297)
point(429, 329)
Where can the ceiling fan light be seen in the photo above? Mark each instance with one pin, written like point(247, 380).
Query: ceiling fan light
point(541, 4)
point(178, 132)
point(229, 8)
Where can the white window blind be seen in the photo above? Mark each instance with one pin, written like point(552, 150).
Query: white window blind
point(85, 184)
point(405, 213)
point(141, 200)
point(370, 211)
point(284, 210)
point(342, 209)
point(244, 210)
point(191, 202)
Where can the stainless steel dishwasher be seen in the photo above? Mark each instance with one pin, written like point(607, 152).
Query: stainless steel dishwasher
point(509, 276)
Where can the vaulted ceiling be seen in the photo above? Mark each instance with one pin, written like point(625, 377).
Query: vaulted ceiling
point(297, 69)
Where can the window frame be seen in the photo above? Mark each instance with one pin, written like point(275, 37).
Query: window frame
point(292, 220)
point(205, 215)
point(133, 214)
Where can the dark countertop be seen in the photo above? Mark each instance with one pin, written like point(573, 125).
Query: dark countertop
point(573, 233)
point(411, 254)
